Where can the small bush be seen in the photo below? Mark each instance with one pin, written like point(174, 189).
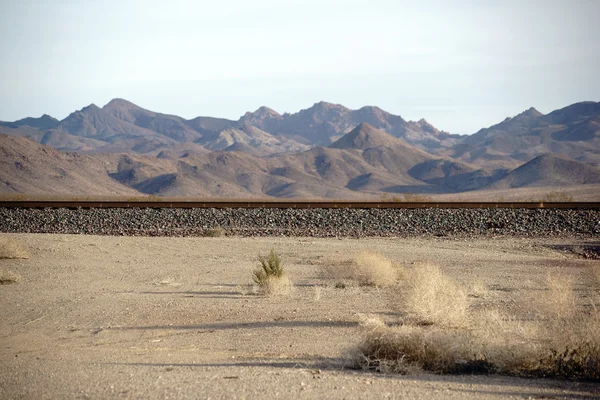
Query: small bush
point(270, 277)
point(368, 269)
point(509, 345)
point(9, 248)
point(432, 297)
point(410, 348)
point(7, 277)
point(214, 232)
point(572, 333)
point(574, 348)
point(275, 286)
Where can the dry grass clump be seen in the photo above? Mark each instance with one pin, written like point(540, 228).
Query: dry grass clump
point(564, 340)
point(574, 349)
point(507, 344)
point(7, 277)
point(10, 248)
point(367, 269)
point(214, 232)
point(275, 286)
point(558, 300)
point(270, 278)
point(571, 332)
point(430, 297)
point(409, 348)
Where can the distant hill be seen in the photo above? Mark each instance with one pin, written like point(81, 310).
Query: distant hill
point(549, 170)
point(121, 126)
point(28, 167)
point(364, 137)
point(325, 151)
point(43, 122)
point(573, 131)
point(171, 126)
point(266, 131)
point(323, 123)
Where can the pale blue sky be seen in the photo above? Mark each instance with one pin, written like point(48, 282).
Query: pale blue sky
point(460, 64)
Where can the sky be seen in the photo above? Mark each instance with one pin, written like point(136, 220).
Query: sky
point(460, 64)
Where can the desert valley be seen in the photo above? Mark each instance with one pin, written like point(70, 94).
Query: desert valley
point(284, 302)
point(307, 199)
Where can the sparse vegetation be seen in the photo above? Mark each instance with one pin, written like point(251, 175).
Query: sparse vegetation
point(10, 248)
point(270, 277)
point(563, 340)
point(430, 297)
point(367, 269)
point(558, 196)
point(558, 301)
point(7, 277)
point(214, 232)
point(416, 198)
point(407, 198)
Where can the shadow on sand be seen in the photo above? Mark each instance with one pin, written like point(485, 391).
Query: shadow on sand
point(219, 326)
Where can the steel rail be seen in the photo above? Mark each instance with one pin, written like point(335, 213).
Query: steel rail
point(288, 204)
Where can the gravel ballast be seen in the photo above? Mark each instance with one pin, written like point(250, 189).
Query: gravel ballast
point(302, 222)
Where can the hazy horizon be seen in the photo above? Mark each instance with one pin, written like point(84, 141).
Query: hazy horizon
point(461, 66)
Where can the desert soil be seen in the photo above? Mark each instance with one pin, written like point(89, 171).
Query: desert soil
point(105, 317)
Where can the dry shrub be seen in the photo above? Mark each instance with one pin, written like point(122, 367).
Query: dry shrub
point(271, 277)
point(7, 277)
point(214, 232)
point(275, 286)
point(558, 300)
point(574, 349)
point(508, 344)
point(433, 298)
point(572, 333)
point(411, 348)
point(368, 269)
point(559, 342)
point(10, 248)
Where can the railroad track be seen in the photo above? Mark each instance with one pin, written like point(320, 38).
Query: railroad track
point(288, 204)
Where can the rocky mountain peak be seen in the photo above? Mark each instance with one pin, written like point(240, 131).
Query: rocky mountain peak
point(365, 136)
point(91, 107)
point(119, 103)
point(531, 112)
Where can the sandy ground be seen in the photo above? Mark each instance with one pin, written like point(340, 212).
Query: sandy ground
point(157, 318)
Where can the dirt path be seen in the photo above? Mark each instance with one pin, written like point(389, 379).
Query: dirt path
point(155, 318)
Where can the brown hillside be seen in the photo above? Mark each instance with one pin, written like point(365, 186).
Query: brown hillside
point(549, 170)
point(27, 167)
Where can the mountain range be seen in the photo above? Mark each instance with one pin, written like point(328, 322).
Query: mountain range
point(325, 151)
